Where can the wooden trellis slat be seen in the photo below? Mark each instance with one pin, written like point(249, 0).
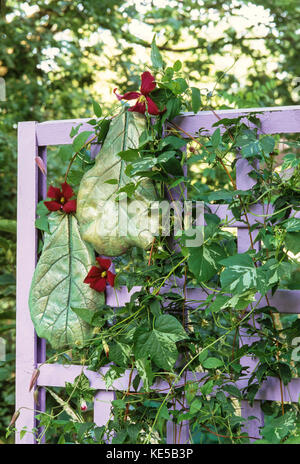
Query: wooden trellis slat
point(33, 139)
point(55, 375)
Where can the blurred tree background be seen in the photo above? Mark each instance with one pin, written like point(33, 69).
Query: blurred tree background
point(58, 55)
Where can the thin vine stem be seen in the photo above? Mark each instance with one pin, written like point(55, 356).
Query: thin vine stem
point(190, 362)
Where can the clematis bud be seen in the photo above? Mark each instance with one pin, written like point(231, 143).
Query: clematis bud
point(34, 378)
point(41, 165)
point(36, 397)
point(14, 418)
point(83, 405)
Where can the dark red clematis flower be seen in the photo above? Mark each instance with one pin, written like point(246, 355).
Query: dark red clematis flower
point(62, 199)
point(143, 102)
point(99, 276)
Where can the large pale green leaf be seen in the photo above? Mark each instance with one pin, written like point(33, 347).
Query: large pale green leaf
point(111, 225)
point(57, 284)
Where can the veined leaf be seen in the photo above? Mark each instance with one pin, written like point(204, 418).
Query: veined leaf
point(249, 144)
point(292, 225)
point(74, 416)
point(108, 220)
point(204, 260)
point(291, 160)
point(156, 57)
point(196, 406)
point(279, 427)
point(216, 138)
point(173, 142)
point(57, 284)
point(119, 353)
point(65, 152)
point(145, 372)
point(292, 242)
point(267, 143)
point(177, 66)
point(212, 363)
point(219, 303)
point(239, 274)
point(196, 99)
point(81, 139)
point(159, 342)
point(97, 109)
point(233, 391)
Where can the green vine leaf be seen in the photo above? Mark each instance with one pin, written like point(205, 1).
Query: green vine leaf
point(119, 353)
point(267, 143)
point(109, 224)
point(292, 225)
point(146, 374)
point(196, 99)
point(212, 363)
point(292, 241)
point(159, 342)
point(204, 261)
point(65, 152)
point(216, 138)
point(80, 139)
point(156, 57)
point(249, 144)
point(57, 284)
point(97, 109)
point(278, 428)
point(239, 274)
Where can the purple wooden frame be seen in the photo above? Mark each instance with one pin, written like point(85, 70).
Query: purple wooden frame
point(33, 139)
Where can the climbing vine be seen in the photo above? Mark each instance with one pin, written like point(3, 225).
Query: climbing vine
point(186, 351)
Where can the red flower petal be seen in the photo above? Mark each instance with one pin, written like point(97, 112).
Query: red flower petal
point(54, 192)
point(111, 278)
point(70, 206)
point(52, 205)
point(104, 263)
point(131, 95)
point(67, 191)
point(99, 285)
point(127, 95)
point(139, 107)
point(148, 83)
point(94, 274)
point(152, 108)
point(119, 97)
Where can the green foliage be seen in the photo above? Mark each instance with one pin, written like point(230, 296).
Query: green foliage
point(51, 66)
point(157, 336)
point(278, 428)
point(156, 58)
point(158, 341)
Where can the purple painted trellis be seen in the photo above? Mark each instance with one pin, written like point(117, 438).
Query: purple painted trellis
point(33, 139)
